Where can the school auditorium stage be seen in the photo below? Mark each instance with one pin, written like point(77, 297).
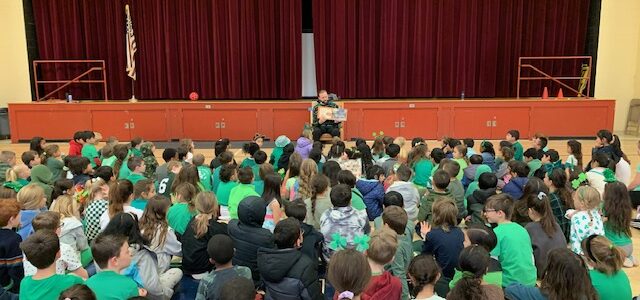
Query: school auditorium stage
point(240, 120)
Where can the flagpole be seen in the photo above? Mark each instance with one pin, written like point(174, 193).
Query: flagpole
point(133, 91)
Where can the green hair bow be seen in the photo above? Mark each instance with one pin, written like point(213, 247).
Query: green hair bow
point(609, 176)
point(553, 165)
point(576, 182)
point(362, 242)
point(338, 242)
point(14, 185)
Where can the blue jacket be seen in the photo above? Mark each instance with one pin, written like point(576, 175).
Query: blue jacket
point(373, 194)
point(515, 187)
point(26, 228)
point(489, 160)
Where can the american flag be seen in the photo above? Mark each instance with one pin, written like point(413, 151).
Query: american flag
point(131, 46)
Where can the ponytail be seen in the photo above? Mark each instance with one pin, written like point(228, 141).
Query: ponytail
point(119, 195)
point(473, 262)
point(207, 207)
point(603, 255)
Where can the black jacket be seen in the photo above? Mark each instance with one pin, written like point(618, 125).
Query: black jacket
point(476, 202)
point(195, 259)
point(312, 242)
point(248, 235)
point(288, 275)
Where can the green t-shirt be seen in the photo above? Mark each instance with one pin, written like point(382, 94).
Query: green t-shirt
point(356, 200)
point(248, 162)
point(47, 288)
point(139, 203)
point(109, 161)
point(534, 165)
point(124, 170)
point(275, 156)
point(238, 194)
point(259, 185)
point(135, 177)
point(109, 285)
point(89, 151)
point(179, 216)
point(224, 191)
point(463, 165)
point(422, 170)
point(614, 286)
point(205, 177)
point(494, 278)
point(216, 180)
point(518, 151)
point(617, 238)
point(515, 253)
point(135, 152)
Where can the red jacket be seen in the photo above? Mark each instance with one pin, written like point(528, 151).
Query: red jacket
point(384, 286)
point(75, 148)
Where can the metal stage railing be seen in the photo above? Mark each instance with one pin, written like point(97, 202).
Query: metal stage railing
point(584, 80)
point(99, 66)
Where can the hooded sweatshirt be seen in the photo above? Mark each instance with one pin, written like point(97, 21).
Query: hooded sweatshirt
point(373, 194)
point(476, 202)
point(72, 233)
point(288, 274)
point(41, 175)
point(303, 147)
point(410, 196)
point(474, 185)
point(150, 161)
point(248, 235)
point(347, 222)
point(469, 174)
point(515, 187)
point(281, 142)
point(383, 286)
point(26, 216)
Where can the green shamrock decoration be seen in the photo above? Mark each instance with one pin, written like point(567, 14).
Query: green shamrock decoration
point(338, 242)
point(576, 182)
point(362, 242)
point(380, 133)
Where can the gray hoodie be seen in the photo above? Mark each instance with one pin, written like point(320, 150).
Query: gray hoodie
point(410, 196)
point(72, 233)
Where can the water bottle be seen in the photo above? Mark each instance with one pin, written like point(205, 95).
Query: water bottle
point(69, 97)
point(462, 95)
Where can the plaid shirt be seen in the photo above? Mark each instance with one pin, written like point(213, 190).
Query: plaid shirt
point(3, 170)
point(558, 211)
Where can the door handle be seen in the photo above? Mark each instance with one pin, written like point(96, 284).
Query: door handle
point(488, 123)
point(494, 123)
point(126, 125)
point(222, 124)
point(402, 124)
point(132, 125)
point(217, 125)
point(397, 124)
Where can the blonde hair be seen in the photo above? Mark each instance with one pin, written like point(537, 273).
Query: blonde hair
point(66, 206)
point(207, 206)
point(93, 186)
point(403, 154)
point(31, 197)
point(308, 169)
point(382, 246)
point(588, 196)
point(308, 134)
point(13, 174)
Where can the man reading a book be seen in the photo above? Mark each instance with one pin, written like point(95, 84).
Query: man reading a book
point(321, 125)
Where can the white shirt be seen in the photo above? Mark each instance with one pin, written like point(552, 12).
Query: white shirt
point(69, 261)
point(104, 219)
point(623, 171)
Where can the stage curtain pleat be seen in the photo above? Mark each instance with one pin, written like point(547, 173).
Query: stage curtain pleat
point(439, 48)
point(222, 49)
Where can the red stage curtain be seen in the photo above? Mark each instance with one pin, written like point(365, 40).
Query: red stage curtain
point(439, 48)
point(222, 49)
